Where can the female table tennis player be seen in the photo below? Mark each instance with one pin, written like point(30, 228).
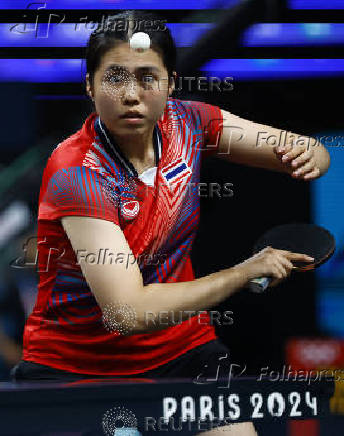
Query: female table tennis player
point(118, 213)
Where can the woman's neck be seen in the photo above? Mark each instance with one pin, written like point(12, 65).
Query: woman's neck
point(138, 149)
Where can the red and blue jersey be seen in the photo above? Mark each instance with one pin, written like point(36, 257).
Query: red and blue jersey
point(88, 175)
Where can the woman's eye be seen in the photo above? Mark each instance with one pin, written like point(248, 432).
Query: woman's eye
point(115, 79)
point(148, 78)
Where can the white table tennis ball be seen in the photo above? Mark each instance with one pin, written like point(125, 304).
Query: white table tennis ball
point(140, 41)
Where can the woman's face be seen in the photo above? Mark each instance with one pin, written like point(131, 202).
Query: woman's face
point(127, 80)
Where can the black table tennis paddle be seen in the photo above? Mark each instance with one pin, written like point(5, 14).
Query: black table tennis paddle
point(309, 239)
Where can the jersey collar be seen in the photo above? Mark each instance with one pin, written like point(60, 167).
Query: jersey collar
point(114, 150)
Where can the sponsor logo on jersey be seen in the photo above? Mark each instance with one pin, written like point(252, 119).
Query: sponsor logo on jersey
point(130, 209)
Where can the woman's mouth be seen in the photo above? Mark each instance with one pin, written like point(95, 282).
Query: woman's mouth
point(133, 120)
point(132, 117)
point(132, 114)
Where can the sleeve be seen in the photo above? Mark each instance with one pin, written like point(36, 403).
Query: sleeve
point(79, 191)
point(211, 123)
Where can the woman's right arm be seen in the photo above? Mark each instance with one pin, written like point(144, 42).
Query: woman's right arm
point(116, 284)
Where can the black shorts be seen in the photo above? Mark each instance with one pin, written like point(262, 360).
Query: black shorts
point(201, 361)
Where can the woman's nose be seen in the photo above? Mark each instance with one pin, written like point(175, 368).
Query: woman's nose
point(131, 90)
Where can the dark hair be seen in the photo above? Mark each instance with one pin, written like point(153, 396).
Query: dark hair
point(121, 27)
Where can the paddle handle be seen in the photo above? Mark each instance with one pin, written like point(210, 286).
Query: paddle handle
point(259, 285)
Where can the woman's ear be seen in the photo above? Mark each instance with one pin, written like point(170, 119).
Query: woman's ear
point(89, 87)
point(172, 81)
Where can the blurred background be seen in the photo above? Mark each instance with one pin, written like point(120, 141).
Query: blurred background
point(286, 61)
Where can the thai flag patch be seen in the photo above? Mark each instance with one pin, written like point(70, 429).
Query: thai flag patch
point(175, 171)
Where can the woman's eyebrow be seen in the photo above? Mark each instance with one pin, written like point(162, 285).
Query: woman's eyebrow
point(117, 67)
point(149, 68)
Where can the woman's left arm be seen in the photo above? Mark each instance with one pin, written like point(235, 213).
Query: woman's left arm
point(249, 143)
